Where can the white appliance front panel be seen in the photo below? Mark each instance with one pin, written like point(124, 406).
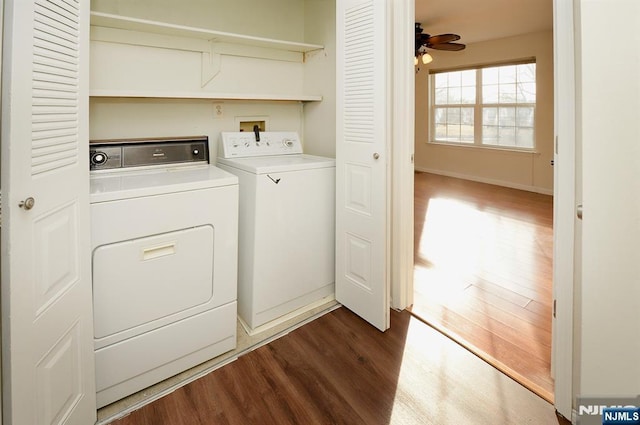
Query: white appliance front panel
point(286, 241)
point(138, 218)
point(295, 224)
point(139, 281)
point(132, 365)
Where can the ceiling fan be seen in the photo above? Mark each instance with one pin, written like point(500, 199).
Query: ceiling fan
point(437, 42)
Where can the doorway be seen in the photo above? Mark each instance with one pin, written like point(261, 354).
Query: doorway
point(560, 106)
point(483, 272)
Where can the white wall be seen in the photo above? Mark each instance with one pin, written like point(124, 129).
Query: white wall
point(609, 130)
point(529, 171)
point(125, 118)
point(320, 78)
point(280, 19)
point(124, 66)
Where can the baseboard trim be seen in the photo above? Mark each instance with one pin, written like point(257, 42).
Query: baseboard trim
point(496, 182)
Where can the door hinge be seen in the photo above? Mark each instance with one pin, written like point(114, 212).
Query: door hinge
point(554, 308)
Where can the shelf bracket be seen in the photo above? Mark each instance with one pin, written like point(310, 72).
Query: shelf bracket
point(314, 53)
point(211, 62)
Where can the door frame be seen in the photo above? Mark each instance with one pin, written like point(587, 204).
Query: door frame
point(1, 53)
point(564, 217)
point(402, 147)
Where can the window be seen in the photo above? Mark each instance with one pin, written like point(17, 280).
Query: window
point(491, 106)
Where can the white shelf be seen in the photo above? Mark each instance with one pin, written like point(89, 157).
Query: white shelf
point(143, 25)
point(200, 95)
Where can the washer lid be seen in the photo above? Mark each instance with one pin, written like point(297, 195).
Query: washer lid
point(115, 185)
point(279, 163)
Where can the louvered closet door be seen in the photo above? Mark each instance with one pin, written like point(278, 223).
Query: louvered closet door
point(362, 272)
point(47, 344)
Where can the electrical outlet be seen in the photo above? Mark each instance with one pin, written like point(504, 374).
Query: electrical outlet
point(218, 111)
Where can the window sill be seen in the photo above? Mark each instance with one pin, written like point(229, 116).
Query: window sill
point(484, 147)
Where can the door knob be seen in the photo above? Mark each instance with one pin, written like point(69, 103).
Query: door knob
point(27, 204)
point(376, 155)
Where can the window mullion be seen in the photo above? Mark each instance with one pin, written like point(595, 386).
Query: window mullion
point(432, 107)
point(477, 110)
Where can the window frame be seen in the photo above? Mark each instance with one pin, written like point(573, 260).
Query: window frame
point(478, 107)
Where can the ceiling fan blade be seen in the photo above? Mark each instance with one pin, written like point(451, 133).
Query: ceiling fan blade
point(443, 38)
point(436, 42)
point(452, 47)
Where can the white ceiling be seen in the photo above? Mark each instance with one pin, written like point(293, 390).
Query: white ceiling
point(480, 20)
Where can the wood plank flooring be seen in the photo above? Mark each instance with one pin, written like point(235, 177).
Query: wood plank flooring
point(340, 370)
point(483, 272)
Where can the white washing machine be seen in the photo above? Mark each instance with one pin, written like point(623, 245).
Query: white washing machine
point(287, 224)
point(164, 253)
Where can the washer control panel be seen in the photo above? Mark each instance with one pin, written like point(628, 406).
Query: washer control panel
point(247, 144)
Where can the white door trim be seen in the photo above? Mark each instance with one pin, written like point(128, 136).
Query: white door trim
point(564, 206)
point(403, 117)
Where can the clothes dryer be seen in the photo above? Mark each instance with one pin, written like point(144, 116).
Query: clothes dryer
point(164, 256)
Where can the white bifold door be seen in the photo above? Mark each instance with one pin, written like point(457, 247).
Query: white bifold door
point(47, 343)
point(363, 131)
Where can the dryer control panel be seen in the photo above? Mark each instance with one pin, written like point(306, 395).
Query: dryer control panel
point(114, 154)
point(247, 144)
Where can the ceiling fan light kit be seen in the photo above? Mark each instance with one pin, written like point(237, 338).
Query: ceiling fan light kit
point(426, 41)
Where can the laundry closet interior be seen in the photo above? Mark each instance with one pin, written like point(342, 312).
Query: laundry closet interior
point(169, 76)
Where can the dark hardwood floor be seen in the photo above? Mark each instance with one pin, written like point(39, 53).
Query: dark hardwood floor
point(483, 272)
point(338, 369)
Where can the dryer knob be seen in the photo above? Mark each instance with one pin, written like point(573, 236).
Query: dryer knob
point(98, 158)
